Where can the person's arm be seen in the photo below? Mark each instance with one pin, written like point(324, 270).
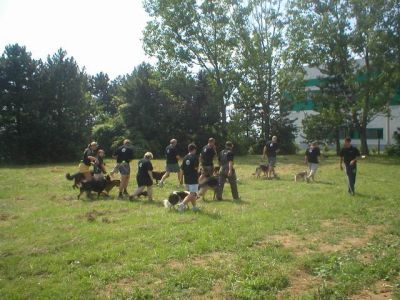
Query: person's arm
point(103, 168)
point(150, 174)
point(230, 166)
point(180, 176)
point(355, 160)
point(305, 159)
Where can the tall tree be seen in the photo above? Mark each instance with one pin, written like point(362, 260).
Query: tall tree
point(195, 33)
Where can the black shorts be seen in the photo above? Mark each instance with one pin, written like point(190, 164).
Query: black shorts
point(144, 181)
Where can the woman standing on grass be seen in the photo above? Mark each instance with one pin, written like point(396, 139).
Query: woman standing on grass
point(89, 156)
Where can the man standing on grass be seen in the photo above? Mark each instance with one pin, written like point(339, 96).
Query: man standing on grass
point(207, 159)
point(172, 165)
point(349, 155)
point(124, 155)
point(270, 150)
point(227, 171)
point(311, 158)
point(190, 166)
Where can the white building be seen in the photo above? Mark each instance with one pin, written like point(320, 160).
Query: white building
point(382, 124)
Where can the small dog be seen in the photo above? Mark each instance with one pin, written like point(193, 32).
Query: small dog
point(103, 186)
point(301, 175)
point(174, 198)
point(262, 168)
point(158, 175)
point(210, 183)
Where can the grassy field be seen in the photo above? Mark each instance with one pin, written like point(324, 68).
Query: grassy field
point(283, 240)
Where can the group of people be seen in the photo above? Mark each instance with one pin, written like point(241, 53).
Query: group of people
point(194, 163)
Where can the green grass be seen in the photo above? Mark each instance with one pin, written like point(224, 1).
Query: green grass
point(53, 246)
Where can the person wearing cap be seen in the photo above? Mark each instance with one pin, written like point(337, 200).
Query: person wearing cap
point(311, 158)
point(190, 165)
point(270, 150)
point(89, 156)
point(227, 171)
point(124, 154)
point(207, 159)
point(144, 177)
point(172, 165)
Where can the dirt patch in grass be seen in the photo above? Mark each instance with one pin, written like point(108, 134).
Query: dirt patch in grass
point(217, 292)
point(298, 245)
point(201, 260)
point(382, 290)
point(300, 283)
point(93, 214)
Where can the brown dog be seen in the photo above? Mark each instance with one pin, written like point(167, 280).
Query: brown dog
point(103, 186)
point(262, 168)
point(300, 176)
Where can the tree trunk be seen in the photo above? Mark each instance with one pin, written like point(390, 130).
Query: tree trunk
point(221, 100)
point(363, 138)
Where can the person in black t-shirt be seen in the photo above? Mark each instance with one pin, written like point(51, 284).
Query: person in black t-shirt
point(99, 166)
point(144, 177)
point(270, 150)
point(89, 156)
point(207, 159)
point(172, 165)
point(227, 171)
point(349, 155)
point(190, 166)
point(311, 158)
point(124, 154)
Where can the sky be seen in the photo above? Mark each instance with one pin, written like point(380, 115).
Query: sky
point(102, 35)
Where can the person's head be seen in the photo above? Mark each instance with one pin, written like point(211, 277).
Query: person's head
point(211, 142)
point(173, 142)
point(313, 145)
point(274, 139)
point(126, 142)
point(347, 142)
point(93, 145)
point(148, 155)
point(228, 145)
point(192, 148)
point(101, 153)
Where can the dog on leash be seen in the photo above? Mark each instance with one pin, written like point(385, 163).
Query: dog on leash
point(210, 183)
point(158, 175)
point(262, 168)
point(102, 186)
point(77, 178)
point(300, 176)
point(174, 198)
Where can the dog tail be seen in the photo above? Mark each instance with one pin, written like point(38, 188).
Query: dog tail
point(71, 177)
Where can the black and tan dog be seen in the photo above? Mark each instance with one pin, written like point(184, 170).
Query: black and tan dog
point(210, 183)
point(262, 168)
point(157, 176)
point(77, 178)
point(102, 186)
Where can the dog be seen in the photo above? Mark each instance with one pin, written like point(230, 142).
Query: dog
point(301, 175)
point(262, 168)
point(102, 186)
point(174, 198)
point(77, 178)
point(210, 183)
point(158, 175)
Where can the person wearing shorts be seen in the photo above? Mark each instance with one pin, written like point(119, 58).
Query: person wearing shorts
point(89, 156)
point(172, 165)
point(144, 177)
point(190, 166)
point(207, 159)
point(124, 154)
point(270, 150)
point(311, 158)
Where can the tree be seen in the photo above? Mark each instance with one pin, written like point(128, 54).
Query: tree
point(102, 90)
point(195, 33)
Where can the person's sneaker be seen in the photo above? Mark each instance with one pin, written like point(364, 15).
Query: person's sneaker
point(195, 208)
point(181, 207)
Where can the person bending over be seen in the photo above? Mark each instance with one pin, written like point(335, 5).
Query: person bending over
point(144, 177)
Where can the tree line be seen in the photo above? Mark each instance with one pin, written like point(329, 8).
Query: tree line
point(229, 69)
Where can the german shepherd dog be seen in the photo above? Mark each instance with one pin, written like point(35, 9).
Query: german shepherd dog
point(210, 183)
point(77, 178)
point(102, 186)
point(262, 168)
point(158, 175)
point(300, 176)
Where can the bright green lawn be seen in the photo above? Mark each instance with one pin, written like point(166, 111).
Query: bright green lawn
point(284, 239)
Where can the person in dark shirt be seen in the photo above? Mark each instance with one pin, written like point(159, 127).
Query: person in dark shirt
point(89, 156)
point(311, 158)
point(270, 150)
point(207, 159)
point(349, 155)
point(123, 155)
point(144, 177)
point(99, 166)
point(172, 165)
point(189, 167)
point(227, 171)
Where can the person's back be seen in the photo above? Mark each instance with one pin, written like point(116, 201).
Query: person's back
point(190, 163)
point(124, 153)
point(144, 166)
point(171, 154)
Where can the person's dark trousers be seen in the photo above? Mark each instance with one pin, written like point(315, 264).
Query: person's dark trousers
point(351, 172)
point(233, 183)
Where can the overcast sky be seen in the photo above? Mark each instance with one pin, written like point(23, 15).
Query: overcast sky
point(102, 35)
